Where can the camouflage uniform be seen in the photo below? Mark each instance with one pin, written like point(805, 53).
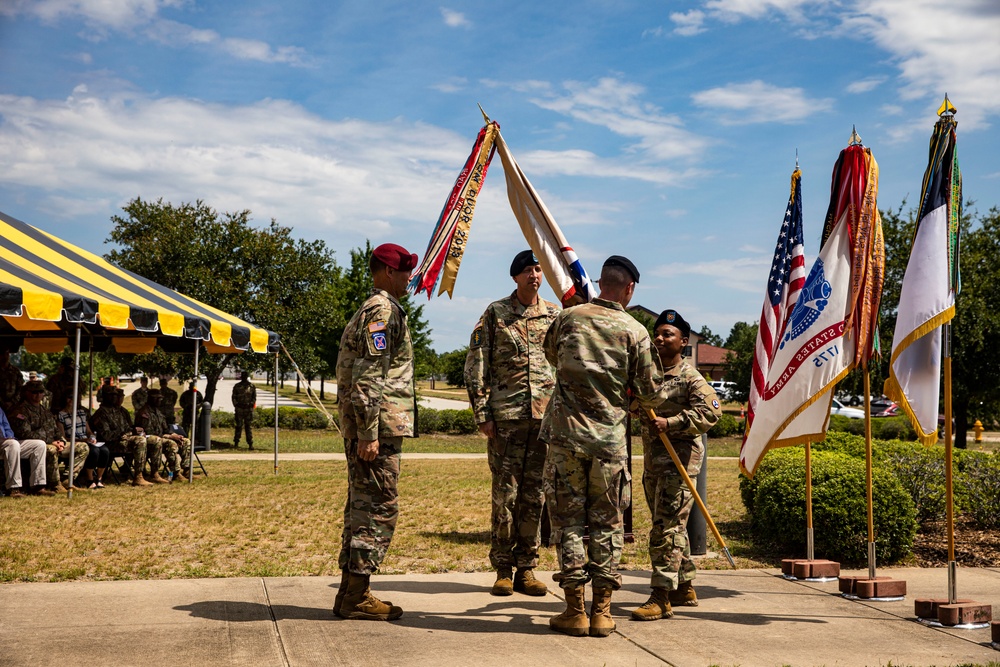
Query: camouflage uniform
point(139, 398)
point(154, 425)
point(691, 408)
point(244, 400)
point(60, 388)
point(34, 422)
point(113, 425)
point(510, 383)
point(167, 405)
point(600, 353)
point(11, 381)
point(377, 400)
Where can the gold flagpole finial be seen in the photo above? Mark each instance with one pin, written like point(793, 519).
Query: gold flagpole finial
point(946, 107)
point(486, 118)
point(855, 138)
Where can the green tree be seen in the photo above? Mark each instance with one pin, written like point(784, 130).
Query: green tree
point(452, 364)
point(708, 337)
point(262, 276)
point(739, 360)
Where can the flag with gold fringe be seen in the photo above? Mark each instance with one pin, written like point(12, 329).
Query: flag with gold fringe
point(834, 323)
point(930, 284)
point(451, 233)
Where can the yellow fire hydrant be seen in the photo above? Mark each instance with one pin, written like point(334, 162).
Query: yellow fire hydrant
point(978, 428)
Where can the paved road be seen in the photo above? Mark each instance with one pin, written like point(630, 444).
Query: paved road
point(746, 617)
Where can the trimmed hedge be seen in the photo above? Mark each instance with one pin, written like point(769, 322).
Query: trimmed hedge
point(777, 507)
point(292, 419)
point(726, 426)
point(883, 428)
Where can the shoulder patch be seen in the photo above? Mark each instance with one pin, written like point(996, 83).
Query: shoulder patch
point(477, 337)
point(715, 404)
point(379, 341)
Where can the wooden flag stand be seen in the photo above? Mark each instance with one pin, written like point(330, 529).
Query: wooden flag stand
point(809, 568)
point(951, 611)
point(872, 587)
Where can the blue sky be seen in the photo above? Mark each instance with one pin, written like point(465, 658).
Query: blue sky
point(663, 131)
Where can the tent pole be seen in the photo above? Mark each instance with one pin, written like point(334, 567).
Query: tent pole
point(868, 473)
point(76, 398)
point(275, 413)
point(194, 412)
point(90, 381)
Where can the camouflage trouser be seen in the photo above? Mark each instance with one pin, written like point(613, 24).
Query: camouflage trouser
point(670, 503)
point(154, 449)
point(372, 506)
point(517, 461)
point(52, 456)
point(172, 450)
point(586, 491)
point(133, 448)
point(244, 422)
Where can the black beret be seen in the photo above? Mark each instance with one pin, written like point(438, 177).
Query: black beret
point(674, 319)
point(625, 263)
point(522, 260)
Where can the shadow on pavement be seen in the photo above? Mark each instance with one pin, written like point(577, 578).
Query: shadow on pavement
point(244, 612)
point(744, 619)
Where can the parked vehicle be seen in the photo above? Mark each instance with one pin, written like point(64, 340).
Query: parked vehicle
point(723, 389)
point(838, 408)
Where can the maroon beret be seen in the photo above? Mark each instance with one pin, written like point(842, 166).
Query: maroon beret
point(395, 257)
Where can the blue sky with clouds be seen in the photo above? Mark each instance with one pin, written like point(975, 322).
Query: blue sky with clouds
point(664, 131)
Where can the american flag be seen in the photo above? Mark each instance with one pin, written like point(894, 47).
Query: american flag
point(788, 274)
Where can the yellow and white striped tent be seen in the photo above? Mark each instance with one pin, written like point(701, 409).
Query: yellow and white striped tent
point(49, 286)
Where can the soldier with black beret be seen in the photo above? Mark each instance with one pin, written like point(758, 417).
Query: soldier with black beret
point(690, 408)
point(510, 382)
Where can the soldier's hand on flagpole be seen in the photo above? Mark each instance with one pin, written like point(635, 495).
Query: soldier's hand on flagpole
point(489, 429)
point(660, 424)
point(367, 449)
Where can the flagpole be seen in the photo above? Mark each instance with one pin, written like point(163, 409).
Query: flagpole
point(693, 488)
point(868, 473)
point(810, 551)
point(949, 499)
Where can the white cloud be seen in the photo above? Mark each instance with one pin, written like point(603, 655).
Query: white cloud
point(760, 102)
point(451, 85)
point(618, 106)
point(890, 110)
point(865, 85)
point(734, 10)
point(688, 23)
point(743, 274)
point(653, 32)
point(454, 19)
point(116, 14)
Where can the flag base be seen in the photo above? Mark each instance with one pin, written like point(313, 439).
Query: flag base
point(880, 589)
point(995, 629)
point(961, 614)
point(805, 569)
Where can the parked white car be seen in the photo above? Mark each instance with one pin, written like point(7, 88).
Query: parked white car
point(723, 389)
point(838, 408)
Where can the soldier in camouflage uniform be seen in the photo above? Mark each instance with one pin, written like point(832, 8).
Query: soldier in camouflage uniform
point(60, 385)
point(600, 353)
point(168, 401)
point(244, 401)
point(141, 395)
point(113, 425)
point(510, 382)
point(30, 420)
point(172, 445)
point(690, 408)
point(10, 382)
point(377, 402)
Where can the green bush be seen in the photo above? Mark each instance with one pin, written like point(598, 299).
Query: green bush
point(883, 428)
point(979, 483)
point(921, 472)
point(292, 419)
point(427, 420)
point(446, 419)
point(727, 425)
point(464, 422)
point(839, 507)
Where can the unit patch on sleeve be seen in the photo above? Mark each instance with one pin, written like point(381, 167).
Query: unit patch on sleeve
point(477, 337)
point(376, 326)
point(378, 340)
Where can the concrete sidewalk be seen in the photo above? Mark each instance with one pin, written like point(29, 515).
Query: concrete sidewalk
point(747, 617)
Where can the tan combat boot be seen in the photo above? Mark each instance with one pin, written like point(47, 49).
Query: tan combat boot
point(601, 623)
point(525, 582)
point(338, 602)
point(360, 604)
point(684, 596)
point(504, 584)
point(156, 479)
point(655, 608)
point(573, 621)
point(138, 480)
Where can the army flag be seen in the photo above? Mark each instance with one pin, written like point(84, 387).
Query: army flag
point(562, 268)
point(931, 281)
point(788, 274)
point(821, 340)
point(451, 233)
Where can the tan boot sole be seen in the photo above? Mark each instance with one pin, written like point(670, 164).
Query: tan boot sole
point(572, 631)
point(602, 632)
point(363, 616)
